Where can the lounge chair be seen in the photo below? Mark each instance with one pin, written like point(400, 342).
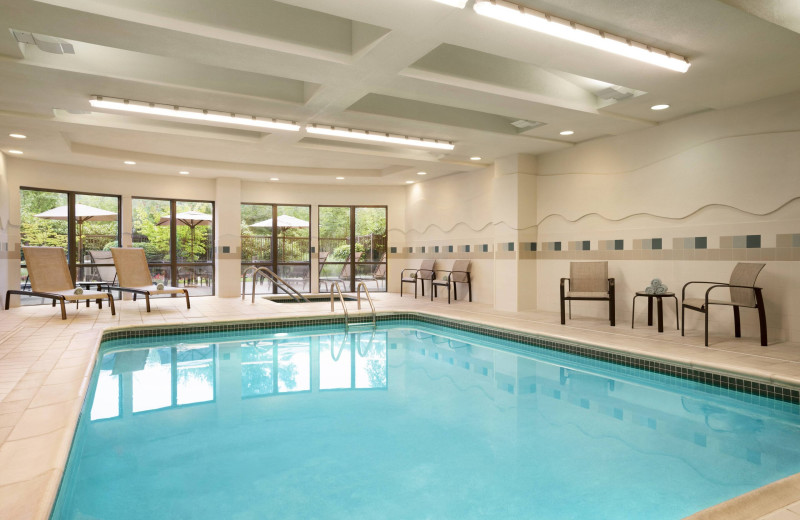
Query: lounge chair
point(134, 275)
point(588, 281)
point(459, 273)
point(378, 273)
point(743, 292)
point(423, 272)
point(344, 274)
point(50, 278)
point(104, 266)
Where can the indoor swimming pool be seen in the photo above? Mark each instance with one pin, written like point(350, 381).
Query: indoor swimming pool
point(407, 420)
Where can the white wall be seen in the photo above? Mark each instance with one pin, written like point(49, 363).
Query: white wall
point(717, 174)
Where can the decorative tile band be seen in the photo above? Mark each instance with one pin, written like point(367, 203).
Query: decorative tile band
point(647, 243)
point(579, 245)
point(740, 242)
point(788, 240)
point(690, 243)
point(611, 245)
point(751, 390)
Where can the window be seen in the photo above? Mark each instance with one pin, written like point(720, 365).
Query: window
point(85, 225)
point(353, 247)
point(277, 237)
point(178, 240)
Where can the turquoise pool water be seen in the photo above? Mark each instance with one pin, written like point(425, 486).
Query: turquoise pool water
point(410, 421)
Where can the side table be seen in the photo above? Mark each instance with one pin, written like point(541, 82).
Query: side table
point(659, 298)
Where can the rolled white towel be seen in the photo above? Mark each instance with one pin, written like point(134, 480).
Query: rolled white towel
point(160, 287)
point(666, 289)
point(661, 289)
point(656, 282)
point(650, 290)
point(78, 290)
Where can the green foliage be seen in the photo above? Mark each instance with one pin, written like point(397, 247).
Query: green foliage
point(341, 253)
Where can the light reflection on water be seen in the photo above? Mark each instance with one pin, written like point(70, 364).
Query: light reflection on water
point(408, 423)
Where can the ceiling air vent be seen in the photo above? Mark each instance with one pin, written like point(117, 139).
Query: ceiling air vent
point(45, 43)
point(614, 92)
point(524, 124)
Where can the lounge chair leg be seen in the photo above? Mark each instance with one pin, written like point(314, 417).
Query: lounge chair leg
point(612, 313)
point(147, 302)
point(448, 294)
point(63, 309)
point(762, 317)
point(633, 310)
point(401, 286)
point(99, 303)
point(415, 289)
point(570, 309)
point(563, 311)
point(677, 325)
point(455, 292)
point(737, 326)
point(186, 293)
point(134, 296)
point(683, 318)
point(111, 304)
point(706, 315)
point(8, 299)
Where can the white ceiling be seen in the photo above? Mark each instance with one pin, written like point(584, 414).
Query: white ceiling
point(413, 67)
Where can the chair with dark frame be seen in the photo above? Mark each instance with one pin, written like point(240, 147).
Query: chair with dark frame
point(743, 293)
point(588, 281)
point(422, 273)
point(459, 273)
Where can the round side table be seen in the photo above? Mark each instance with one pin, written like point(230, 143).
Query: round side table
point(660, 311)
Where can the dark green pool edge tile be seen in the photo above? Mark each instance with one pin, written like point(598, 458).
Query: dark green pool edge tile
point(723, 381)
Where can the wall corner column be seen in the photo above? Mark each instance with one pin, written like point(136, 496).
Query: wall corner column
point(227, 237)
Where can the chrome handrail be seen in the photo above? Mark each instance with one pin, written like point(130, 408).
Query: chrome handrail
point(335, 285)
point(281, 283)
point(369, 299)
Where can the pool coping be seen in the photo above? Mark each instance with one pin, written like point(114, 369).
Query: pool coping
point(754, 383)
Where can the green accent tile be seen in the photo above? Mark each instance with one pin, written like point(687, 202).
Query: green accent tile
point(701, 242)
point(647, 243)
point(586, 245)
point(435, 249)
point(393, 250)
point(485, 248)
point(466, 249)
point(655, 243)
point(753, 241)
point(410, 249)
point(449, 249)
point(556, 246)
point(619, 245)
point(533, 246)
point(423, 249)
point(796, 240)
point(688, 243)
point(739, 242)
point(511, 246)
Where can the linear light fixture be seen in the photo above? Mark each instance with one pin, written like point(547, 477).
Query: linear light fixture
point(382, 137)
point(196, 114)
point(454, 3)
point(575, 32)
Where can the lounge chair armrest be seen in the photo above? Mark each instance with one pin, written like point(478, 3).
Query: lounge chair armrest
point(403, 272)
point(687, 284)
point(728, 285)
point(611, 284)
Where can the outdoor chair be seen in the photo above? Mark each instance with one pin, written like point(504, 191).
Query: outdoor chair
point(588, 281)
point(743, 293)
point(459, 273)
point(134, 275)
point(344, 274)
point(50, 278)
point(104, 267)
point(424, 272)
point(378, 274)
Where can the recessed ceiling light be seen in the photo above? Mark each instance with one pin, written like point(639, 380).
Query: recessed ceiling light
point(567, 132)
point(183, 172)
point(659, 107)
point(476, 158)
point(422, 173)
point(18, 136)
point(274, 179)
point(15, 152)
point(339, 178)
point(409, 182)
point(130, 162)
point(382, 137)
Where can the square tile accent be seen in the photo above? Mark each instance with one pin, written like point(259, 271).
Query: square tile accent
point(485, 248)
point(753, 241)
point(533, 246)
point(449, 249)
point(701, 242)
point(435, 249)
point(796, 240)
point(410, 249)
point(655, 243)
point(619, 245)
point(586, 245)
point(422, 249)
point(511, 246)
point(464, 249)
point(647, 243)
point(557, 246)
point(393, 250)
point(739, 242)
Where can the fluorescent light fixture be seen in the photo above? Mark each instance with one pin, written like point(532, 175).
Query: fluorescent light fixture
point(382, 137)
point(409, 182)
point(18, 136)
point(659, 107)
point(15, 152)
point(453, 3)
point(274, 179)
point(339, 178)
point(196, 114)
point(567, 132)
point(575, 32)
point(422, 173)
point(130, 162)
point(476, 158)
point(183, 172)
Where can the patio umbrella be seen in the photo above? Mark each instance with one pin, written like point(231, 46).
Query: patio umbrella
point(284, 222)
point(82, 214)
point(191, 219)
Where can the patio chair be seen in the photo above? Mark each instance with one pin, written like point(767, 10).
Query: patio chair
point(378, 274)
point(50, 278)
point(459, 273)
point(104, 266)
point(743, 293)
point(423, 272)
point(344, 274)
point(588, 281)
point(134, 275)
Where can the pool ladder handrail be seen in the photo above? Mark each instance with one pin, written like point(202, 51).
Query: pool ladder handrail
point(335, 285)
point(277, 280)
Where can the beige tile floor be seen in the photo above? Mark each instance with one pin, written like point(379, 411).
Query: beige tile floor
point(45, 364)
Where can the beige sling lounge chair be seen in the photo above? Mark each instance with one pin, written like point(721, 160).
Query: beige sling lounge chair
point(424, 272)
point(50, 278)
point(459, 273)
point(743, 293)
point(134, 276)
point(588, 281)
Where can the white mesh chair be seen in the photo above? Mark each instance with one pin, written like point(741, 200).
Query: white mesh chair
point(743, 293)
point(50, 278)
point(459, 273)
point(588, 281)
point(424, 272)
point(134, 275)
